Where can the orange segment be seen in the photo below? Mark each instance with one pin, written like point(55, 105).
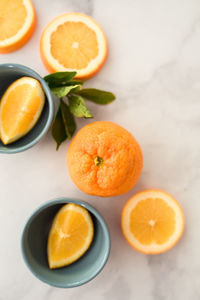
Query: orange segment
point(152, 221)
point(20, 108)
point(17, 23)
point(70, 236)
point(73, 41)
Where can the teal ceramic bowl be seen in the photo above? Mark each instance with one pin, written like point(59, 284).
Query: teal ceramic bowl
point(34, 247)
point(8, 74)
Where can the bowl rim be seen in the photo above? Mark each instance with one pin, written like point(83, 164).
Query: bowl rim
point(49, 98)
point(94, 212)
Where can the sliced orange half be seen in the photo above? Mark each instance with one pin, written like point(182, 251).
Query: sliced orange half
point(152, 221)
point(20, 108)
point(70, 235)
point(73, 42)
point(17, 23)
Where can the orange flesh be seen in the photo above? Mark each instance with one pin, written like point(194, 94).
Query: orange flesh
point(19, 109)
point(11, 10)
point(152, 221)
point(69, 235)
point(74, 45)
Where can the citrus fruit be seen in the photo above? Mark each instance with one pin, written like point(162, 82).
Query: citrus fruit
point(152, 221)
point(73, 42)
point(20, 108)
point(70, 235)
point(104, 159)
point(17, 23)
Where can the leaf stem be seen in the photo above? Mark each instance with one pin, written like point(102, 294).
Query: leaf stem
point(98, 161)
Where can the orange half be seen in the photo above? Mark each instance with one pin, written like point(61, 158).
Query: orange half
point(70, 235)
point(20, 108)
point(73, 42)
point(17, 24)
point(152, 221)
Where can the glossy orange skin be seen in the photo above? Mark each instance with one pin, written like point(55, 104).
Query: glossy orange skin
point(121, 154)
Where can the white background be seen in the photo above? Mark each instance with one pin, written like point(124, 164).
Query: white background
point(153, 67)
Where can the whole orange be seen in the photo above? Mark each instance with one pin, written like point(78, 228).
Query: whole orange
point(104, 159)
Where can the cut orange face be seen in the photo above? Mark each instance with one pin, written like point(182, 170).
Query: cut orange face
point(17, 23)
point(152, 221)
point(20, 108)
point(73, 42)
point(70, 236)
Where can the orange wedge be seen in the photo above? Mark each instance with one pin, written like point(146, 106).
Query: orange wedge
point(152, 221)
point(73, 42)
point(17, 24)
point(70, 235)
point(20, 108)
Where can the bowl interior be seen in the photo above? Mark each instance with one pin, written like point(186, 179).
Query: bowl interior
point(8, 74)
point(34, 247)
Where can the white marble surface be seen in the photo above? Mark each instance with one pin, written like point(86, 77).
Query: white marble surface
point(154, 69)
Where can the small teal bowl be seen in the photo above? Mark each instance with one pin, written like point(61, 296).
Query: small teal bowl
point(10, 73)
point(34, 247)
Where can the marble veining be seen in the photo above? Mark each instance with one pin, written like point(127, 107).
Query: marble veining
point(153, 67)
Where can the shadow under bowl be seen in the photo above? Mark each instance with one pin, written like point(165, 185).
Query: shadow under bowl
point(8, 74)
point(34, 247)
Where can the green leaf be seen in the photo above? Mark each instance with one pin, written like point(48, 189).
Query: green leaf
point(62, 91)
point(78, 108)
point(97, 96)
point(59, 78)
point(58, 129)
point(68, 119)
point(75, 82)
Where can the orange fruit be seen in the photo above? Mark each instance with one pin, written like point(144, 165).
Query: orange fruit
point(70, 235)
point(17, 24)
point(104, 159)
point(20, 108)
point(73, 42)
point(152, 221)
